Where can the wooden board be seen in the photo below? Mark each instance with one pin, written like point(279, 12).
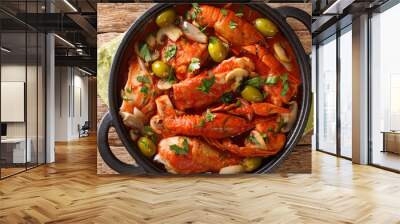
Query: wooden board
point(115, 18)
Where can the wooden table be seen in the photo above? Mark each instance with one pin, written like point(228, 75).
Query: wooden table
point(114, 19)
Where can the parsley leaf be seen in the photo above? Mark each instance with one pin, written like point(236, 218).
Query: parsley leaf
point(143, 79)
point(238, 103)
point(171, 77)
point(227, 97)
point(196, 10)
point(239, 14)
point(232, 25)
point(285, 84)
point(271, 80)
point(180, 150)
point(128, 89)
point(149, 132)
point(144, 52)
point(209, 116)
point(265, 137)
point(253, 140)
point(202, 123)
point(285, 89)
point(170, 52)
point(224, 12)
point(213, 40)
point(194, 65)
point(144, 89)
point(203, 29)
point(206, 84)
point(256, 82)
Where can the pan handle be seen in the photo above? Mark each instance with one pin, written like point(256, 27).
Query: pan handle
point(302, 16)
point(104, 149)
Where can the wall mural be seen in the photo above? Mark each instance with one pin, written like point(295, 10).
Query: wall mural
point(203, 89)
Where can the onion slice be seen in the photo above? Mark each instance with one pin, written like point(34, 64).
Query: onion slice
point(193, 33)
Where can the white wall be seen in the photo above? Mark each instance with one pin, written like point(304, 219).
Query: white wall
point(71, 102)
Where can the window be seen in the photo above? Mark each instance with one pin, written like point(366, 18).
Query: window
point(326, 96)
point(385, 89)
point(346, 74)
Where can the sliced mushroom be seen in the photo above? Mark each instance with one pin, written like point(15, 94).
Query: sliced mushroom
point(257, 142)
point(235, 169)
point(280, 53)
point(237, 74)
point(156, 124)
point(171, 31)
point(138, 113)
point(290, 118)
point(164, 84)
point(193, 33)
point(131, 121)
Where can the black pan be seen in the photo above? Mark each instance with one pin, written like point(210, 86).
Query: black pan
point(120, 65)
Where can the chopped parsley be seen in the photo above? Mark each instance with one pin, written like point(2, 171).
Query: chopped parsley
point(239, 14)
point(127, 98)
point(253, 140)
point(224, 12)
point(202, 123)
point(196, 10)
point(148, 131)
point(255, 82)
point(171, 77)
point(170, 52)
point(270, 129)
point(265, 137)
point(180, 150)
point(285, 84)
point(227, 98)
point(143, 79)
point(209, 116)
point(144, 89)
point(271, 80)
point(232, 25)
point(128, 89)
point(238, 103)
point(144, 52)
point(206, 84)
point(203, 29)
point(285, 89)
point(213, 40)
point(194, 65)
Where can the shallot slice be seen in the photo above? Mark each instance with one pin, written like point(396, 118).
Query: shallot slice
point(193, 33)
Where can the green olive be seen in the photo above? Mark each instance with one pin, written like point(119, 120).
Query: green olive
point(266, 27)
point(160, 69)
point(251, 163)
point(252, 94)
point(146, 146)
point(166, 17)
point(217, 50)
